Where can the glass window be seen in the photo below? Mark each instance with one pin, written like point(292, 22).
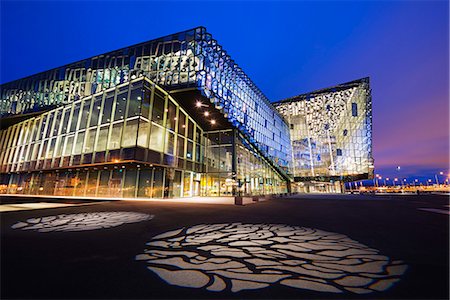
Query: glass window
point(73, 123)
point(90, 141)
point(354, 109)
point(43, 150)
point(180, 146)
point(226, 137)
point(96, 107)
point(51, 148)
point(144, 131)
point(65, 121)
point(197, 153)
point(49, 126)
point(171, 115)
point(69, 144)
point(116, 134)
point(190, 129)
point(158, 109)
point(35, 151)
point(129, 185)
point(181, 123)
point(107, 108)
point(57, 122)
point(85, 113)
point(102, 138)
point(169, 145)
point(91, 186)
point(59, 146)
point(198, 134)
point(145, 183)
point(145, 110)
point(134, 104)
point(103, 184)
point(130, 133)
point(41, 132)
point(79, 143)
point(190, 149)
point(157, 190)
point(121, 104)
point(34, 130)
point(156, 138)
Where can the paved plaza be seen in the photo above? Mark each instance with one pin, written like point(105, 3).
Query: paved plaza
point(301, 247)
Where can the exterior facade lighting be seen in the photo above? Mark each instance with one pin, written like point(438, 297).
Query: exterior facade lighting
point(131, 107)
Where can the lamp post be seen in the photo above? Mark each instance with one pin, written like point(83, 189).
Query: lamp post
point(395, 180)
point(387, 178)
point(437, 178)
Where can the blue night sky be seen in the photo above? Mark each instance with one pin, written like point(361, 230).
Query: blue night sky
point(287, 48)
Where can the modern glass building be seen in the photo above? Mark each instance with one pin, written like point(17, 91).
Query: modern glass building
point(331, 134)
point(168, 118)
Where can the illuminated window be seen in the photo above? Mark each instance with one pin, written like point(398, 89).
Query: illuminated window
point(354, 109)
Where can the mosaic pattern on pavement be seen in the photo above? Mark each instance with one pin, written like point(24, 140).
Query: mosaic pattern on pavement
point(81, 221)
point(237, 257)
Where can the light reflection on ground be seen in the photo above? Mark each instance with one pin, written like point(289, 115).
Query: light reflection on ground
point(81, 221)
point(253, 256)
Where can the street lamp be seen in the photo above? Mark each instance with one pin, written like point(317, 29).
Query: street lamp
point(436, 177)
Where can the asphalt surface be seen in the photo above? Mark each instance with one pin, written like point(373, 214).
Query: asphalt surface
point(101, 263)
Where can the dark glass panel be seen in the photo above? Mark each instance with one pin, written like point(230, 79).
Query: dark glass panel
point(134, 104)
point(171, 115)
point(181, 123)
point(107, 108)
point(158, 109)
point(121, 104)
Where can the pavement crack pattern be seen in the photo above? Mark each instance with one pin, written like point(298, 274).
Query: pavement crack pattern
point(81, 221)
point(240, 257)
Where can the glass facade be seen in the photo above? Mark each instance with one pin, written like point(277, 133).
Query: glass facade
point(331, 132)
point(123, 124)
point(189, 59)
point(132, 140)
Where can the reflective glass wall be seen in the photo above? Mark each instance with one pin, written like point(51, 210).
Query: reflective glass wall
point(133, 121)
point(187, 59)
point(331, 131)
point(132, 140)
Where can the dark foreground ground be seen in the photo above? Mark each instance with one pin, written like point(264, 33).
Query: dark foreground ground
point(101, 263)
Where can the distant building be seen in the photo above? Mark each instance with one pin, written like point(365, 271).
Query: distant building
point(172, 117)
point(331, 135)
